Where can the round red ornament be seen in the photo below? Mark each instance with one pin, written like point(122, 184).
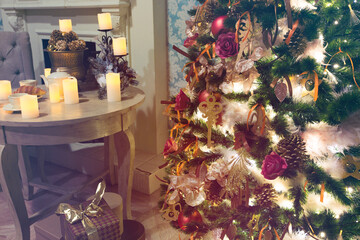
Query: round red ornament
point(194, 217)
point(204, 94)
point(218, 24)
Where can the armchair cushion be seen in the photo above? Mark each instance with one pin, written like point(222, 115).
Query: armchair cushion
point(15, 57)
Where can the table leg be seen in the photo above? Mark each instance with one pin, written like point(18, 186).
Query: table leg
point(25, 172)
point(109, 153)
point(41, 162)
point(11, 185)
point(125, 168)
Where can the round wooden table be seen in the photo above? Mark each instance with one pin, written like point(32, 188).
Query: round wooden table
point(60, 123)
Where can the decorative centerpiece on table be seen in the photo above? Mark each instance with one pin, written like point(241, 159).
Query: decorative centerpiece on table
point(66, 52)
point(107, 62)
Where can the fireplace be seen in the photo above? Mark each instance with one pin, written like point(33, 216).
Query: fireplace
point(40, 18)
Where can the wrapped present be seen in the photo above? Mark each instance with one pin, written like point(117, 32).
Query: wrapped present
point(93, 220)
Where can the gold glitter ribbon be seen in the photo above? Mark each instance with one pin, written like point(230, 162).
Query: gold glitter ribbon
point(193, 63)
point(292, 31)
point(351, 61)
point(262, 230)
point(264, 118)
point(238, 26)
point(73, 215)
point(322, 192)
point(229, 3)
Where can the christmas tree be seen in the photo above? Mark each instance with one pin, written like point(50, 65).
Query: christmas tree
point(265, 138)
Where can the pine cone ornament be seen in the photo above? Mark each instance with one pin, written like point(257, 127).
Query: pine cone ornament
point(293, 150)
point(52, 41)
point(61, 45)
point(297, 43)
point(265, 195)
point(102, 93)
point(51, 44)
point(77, 45)
point(56, 35)
point(70, 36)
point(213, 193)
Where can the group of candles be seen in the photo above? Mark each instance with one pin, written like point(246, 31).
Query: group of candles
point(28, 103)
point(67, 90)
point(105, 24)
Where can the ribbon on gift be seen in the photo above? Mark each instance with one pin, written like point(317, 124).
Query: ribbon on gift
point(74, 215)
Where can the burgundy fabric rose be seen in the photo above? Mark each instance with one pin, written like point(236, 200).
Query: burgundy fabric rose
point(273, 166)
point(170, 147)
point(190, 40)
point(226, 46)
point(182, 101)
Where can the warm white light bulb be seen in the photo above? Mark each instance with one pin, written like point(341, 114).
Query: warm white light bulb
point(345, 40)
point(322, 235)
point(350, 190)
point(336, 66)
point(336, 22)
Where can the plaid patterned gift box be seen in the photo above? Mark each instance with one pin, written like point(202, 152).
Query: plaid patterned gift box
point(107, 225)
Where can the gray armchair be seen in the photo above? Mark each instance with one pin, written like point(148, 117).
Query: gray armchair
point(15, 57)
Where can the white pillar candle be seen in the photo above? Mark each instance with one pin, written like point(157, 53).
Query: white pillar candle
point(29, 106)
point(65, 25)
point(47, 72)
point(54, 93)
point(119, 46)
point(113, 87)
point(70, 87)
point(5, 89)
point(104, 20)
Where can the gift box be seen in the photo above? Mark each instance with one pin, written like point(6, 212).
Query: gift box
point(107, 225)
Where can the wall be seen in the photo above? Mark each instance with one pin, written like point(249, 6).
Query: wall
point(148, 58)
point(177, 14)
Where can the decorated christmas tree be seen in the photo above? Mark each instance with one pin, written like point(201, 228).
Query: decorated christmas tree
point(265, 138)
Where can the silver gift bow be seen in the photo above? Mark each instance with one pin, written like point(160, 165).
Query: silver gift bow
point(73, 215)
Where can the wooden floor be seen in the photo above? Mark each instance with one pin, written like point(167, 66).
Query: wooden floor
point(144, 209)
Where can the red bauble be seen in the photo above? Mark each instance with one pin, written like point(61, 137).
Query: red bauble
point(204, 94)
point(218, 24)
point(194, 217)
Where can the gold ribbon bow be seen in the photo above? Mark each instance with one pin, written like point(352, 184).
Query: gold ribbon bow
point(73, 215)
